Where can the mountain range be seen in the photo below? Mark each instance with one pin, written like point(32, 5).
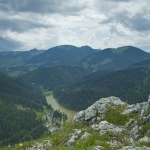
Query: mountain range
point(66, 55)
point(114, 59)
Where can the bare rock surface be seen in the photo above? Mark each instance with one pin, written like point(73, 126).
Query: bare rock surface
point(40, 146)
point(97, 110)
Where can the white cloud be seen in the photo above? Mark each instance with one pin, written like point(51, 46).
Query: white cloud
point(100, 24)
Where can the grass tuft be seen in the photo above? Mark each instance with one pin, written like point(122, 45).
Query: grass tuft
point(114, 116)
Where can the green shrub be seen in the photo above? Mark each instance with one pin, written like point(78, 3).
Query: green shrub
point(114, 116)
point(91, 141)
point(60, 137)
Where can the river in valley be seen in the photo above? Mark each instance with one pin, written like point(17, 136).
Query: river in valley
point(56, 106)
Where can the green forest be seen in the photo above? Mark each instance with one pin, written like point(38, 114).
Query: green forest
point(18, 100)
point(18, 125)
point(19, 92)
point(130, 85)
point(54, 77)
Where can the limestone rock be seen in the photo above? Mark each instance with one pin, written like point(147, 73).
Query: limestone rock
point(131, 123)
point(105, 126)
point(97, 110)
point(79, 117)
point(145, 140)
point(72, 140)
point(95, 127)
point(135, 148)
point(40, 146)
point(144, 115)
point(74, 137)
point(134, 108)
point(85, 135)
point(98, 148)
point(134, 134)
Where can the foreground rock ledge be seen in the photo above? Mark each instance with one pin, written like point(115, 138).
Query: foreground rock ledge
point(95, 116)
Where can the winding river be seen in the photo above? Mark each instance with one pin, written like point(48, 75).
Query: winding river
point(56, 106)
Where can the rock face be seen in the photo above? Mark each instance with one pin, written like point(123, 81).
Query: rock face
point(144, 115)
point(132, 130)
point(145, 139)
point(135, 148)
point(97, 110)
point(40, 146)
point(105, 126)
point(74, 137)
point(134, 108)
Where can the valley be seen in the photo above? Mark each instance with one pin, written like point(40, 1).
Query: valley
point(56, 106)
point(54, 84)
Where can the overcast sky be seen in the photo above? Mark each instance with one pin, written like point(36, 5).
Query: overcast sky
point(41, 24)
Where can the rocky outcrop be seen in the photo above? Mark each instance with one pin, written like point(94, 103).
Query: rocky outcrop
point(98, 148)
point(105, 126)
point(134, 108)
point(135, 148)
point(145, 139)
point(132, 130)
point(39, 146)
point(97, 110)
point(85, 135)
point(74, 137)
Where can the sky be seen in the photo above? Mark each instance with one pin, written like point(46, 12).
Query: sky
point(42, 24)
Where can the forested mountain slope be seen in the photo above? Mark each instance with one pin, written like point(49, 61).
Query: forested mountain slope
point(18, 99)
point(131, 85)
point(54, 77)
point(16, 124)
point(95, 74)
point(16, 58)
point(61, 55)
point(12, 62)
point(145, 63)
point(114, 59)
point(16, 91)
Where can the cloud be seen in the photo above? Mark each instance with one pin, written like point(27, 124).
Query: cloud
point(137, 22)
point(20, 25)
point(67, 7)
point(7, 44)
point(119, 0)
point(97, 23)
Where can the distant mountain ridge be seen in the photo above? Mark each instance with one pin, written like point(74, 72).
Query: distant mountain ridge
point(114, 59)
point(14, 58)
point(61, 55)
point(11, 62)
point(18, 63)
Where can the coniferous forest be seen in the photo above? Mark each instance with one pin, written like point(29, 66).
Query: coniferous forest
point(130, 85)
point(16, 123)
point(18, 99)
